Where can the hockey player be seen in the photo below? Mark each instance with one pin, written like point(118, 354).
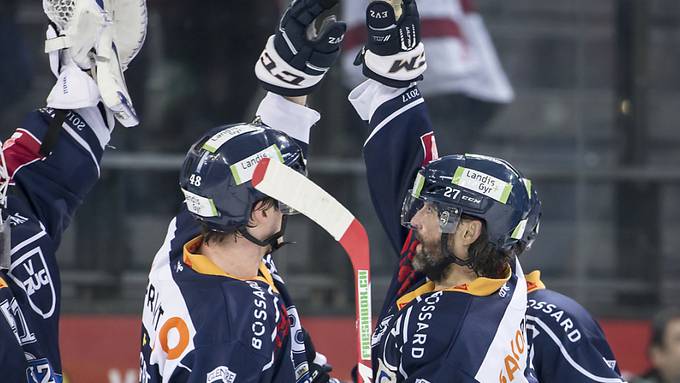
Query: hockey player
point(565, 343)
point(52, 162)
point(454, 311)
point(216, 309)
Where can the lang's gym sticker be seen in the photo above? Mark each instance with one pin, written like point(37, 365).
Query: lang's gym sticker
point(482, 183)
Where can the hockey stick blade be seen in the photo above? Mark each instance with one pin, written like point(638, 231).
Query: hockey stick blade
point(297, 191)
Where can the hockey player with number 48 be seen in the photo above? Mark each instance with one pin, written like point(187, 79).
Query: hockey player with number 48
point(216, 309)
point(49, 166)
point(455, 310)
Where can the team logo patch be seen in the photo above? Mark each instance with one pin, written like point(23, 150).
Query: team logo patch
point(221, 374)
point(40, 371)
point(429, 148)
point(30, 272)
point(380, 331)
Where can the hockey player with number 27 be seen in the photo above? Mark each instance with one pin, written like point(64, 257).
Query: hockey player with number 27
point(51, 163)
point(216, 309)
point(455, 310)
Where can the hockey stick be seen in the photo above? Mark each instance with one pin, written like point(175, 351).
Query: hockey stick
point(396, 4)
point(295, 190)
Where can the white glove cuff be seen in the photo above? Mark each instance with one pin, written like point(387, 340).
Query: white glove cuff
point(403, 66)
point(293, 119)
point(368, 96)
point(74, 89)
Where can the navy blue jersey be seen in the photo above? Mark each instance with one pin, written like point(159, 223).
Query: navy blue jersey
point(12, 358)
point(228, 329)
point(43, 196)
point(232, 329)
point(566, 344)
point(469, 333)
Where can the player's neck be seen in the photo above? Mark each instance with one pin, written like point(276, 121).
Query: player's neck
point(240, 258)
point(456, 275)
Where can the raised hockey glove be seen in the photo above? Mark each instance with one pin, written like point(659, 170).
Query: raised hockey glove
point(394, 54)
point(297, 57)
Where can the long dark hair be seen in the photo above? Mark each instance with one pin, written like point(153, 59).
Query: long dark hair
point(219, 236)
point(489, 261)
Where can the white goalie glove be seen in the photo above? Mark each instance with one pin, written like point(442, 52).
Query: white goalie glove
point(102, 36)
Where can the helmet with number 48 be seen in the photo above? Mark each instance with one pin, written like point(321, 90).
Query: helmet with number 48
point(217, 171)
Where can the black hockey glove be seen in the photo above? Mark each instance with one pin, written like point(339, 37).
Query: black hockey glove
point(297, 57)
point(394, 54)
point(319, 370)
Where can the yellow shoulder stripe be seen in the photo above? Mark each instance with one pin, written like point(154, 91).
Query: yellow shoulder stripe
point(202, 264)
point(534, 281)
point(408, 297)
point(480, 287)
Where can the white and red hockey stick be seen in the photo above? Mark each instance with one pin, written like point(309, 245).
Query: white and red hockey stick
point(295, 190)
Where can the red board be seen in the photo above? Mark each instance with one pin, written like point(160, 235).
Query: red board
point(100, 348)
point(629, 340)
point(106, 348)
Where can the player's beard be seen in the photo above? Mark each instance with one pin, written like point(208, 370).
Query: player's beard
point(430, 261)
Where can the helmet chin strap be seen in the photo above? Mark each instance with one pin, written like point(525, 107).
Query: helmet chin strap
point(272, 241)
point(445, 251)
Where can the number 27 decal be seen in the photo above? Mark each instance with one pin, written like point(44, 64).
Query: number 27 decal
point(451, 192)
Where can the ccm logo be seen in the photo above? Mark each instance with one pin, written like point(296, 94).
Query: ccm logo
point(282, 75)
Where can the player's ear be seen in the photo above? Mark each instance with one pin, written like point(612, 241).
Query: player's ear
point(257, 214)
point(261, 210)
point(470, 230)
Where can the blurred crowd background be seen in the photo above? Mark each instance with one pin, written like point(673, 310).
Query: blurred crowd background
point(582, 96)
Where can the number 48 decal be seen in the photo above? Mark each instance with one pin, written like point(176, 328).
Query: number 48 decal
point(195, 180)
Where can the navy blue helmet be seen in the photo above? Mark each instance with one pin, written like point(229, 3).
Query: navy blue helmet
point(217, 171)
point(482, 187)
